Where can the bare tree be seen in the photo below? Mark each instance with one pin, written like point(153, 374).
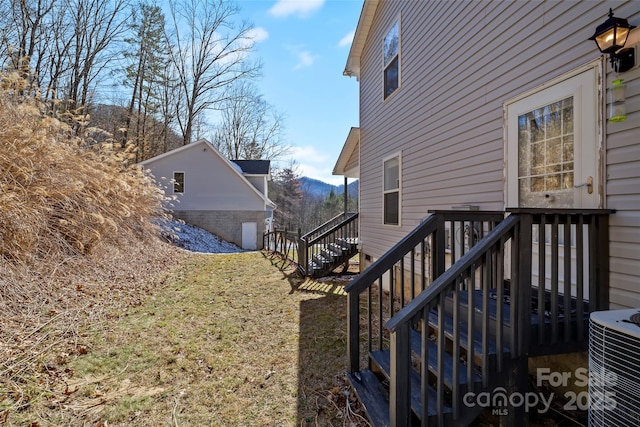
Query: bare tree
point(250, 128)
point(25, 29)
point(210, 52)
point(96, 27)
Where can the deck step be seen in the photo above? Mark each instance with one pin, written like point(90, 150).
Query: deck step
point(478, 351)
point(382, 360)
point(331, 257)
point(432, 352)
point(372, 395)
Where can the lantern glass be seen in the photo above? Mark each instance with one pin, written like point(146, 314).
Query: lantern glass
point(612, 34)
point(612, 40)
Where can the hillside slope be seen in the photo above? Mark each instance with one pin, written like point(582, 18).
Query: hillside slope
point(77, 243)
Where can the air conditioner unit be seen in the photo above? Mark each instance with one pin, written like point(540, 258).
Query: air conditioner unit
point(614, 368)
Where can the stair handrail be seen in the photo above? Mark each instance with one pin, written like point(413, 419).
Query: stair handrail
point(386, 261)
point(329, 224)
point(333, 229)
point(514, 237)
point(433, 225)
point(399, 327)
point(445, 281)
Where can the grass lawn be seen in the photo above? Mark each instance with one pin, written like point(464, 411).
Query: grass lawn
point(229, 340)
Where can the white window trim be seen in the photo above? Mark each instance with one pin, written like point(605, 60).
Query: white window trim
point(399, 55)
point(399, 190)
point(173, 181)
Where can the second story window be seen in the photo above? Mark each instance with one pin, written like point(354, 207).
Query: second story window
point(392, 60)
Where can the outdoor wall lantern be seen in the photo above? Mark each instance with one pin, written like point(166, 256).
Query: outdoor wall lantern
point(611, 36)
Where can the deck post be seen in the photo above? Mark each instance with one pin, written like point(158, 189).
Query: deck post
point(302, 255)
point(438, 249)
point(524, 284)
point(399, 387)
point(353, 331)
point(518, 383)
point(602, 261)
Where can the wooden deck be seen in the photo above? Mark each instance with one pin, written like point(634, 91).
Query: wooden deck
point(474, 326)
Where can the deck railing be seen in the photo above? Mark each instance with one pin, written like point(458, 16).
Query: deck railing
point(524, 285)
point(300, 249)
point(326, 226)
point(405, 271)
point(282, 242)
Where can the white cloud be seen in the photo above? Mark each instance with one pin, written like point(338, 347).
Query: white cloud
point(315, 164)
point(301, 8)
point(346, 40)
point(305, 59)
point(258, 34)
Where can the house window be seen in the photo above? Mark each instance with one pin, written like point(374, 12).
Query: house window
point(391, 192)
point(392, 60)
point(178, 182)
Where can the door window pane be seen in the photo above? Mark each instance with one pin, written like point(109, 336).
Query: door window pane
point(545, 161)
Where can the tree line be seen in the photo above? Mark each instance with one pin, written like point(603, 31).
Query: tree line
point(148, 76)
point(144, 79)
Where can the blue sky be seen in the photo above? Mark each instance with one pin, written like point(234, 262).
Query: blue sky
point(303, 45)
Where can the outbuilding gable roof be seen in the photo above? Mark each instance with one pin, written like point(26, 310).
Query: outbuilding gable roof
point(254, 167)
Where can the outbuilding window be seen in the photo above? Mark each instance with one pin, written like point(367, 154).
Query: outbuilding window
point(178, 182)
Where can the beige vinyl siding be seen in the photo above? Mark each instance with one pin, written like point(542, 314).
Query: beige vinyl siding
point(623, 194)
point(447, 116)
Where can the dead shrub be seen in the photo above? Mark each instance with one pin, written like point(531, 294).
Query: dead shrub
point(57, 198)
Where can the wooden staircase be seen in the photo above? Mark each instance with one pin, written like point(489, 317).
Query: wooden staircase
point(331, 256)
point(371, 385)
point(320, 251)
point(439, 319)
point(329, 246)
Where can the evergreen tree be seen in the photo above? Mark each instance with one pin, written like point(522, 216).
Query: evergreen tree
point(286, 193)
point(148, 61)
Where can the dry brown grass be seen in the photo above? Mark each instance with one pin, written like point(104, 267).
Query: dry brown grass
point(58, 199)
point(228, 340)
point(74, 230)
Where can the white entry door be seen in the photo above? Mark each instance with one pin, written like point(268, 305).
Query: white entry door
point(552, 145)
point(250, 235)
point(552, 160)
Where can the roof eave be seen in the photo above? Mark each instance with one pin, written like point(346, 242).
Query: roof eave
point(352, 69)
point(348, 149)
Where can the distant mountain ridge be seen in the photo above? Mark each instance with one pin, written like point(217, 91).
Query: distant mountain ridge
point(322, 189)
